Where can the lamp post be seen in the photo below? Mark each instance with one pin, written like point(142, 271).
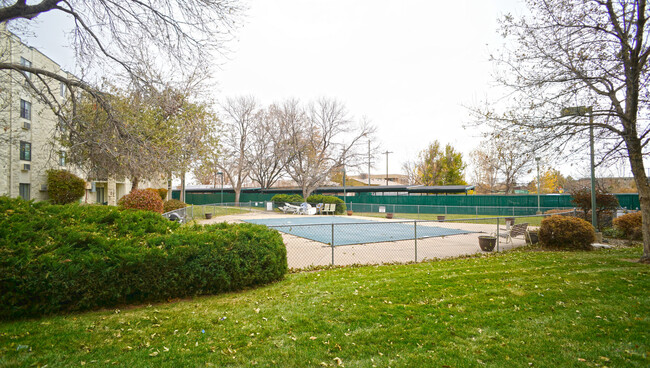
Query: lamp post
point(538, 186)
point(221, 174)
point(581, 111)
point(386, 153)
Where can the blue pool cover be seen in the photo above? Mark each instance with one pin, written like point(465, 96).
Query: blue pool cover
point(349, 231)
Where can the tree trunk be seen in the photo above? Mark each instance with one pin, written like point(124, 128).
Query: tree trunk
point(134, 183)
point(237, 194)
point(182, 196)
point(636, 162)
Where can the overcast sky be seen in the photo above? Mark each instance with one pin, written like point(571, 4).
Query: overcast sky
point(411, 67)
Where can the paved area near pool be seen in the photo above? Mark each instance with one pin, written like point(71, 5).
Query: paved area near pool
point(303, 253)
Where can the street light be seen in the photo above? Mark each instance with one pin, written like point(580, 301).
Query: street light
point(221, 174)
point(581, 111)
point(538, 191)
point(386, 153)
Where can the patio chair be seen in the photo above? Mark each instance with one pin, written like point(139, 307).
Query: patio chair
point(329, 208)
point(289, 208)
point(319, 209)
point(306, 209)
point(514, 231)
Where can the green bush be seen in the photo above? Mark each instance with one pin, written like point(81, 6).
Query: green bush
point(163, 193)
point(287, 198)
point(64, 187)
point(566, 232)
point(630, 225)
point(319, 198)
point(173, 204)
point(147, 199)
point(71, 258)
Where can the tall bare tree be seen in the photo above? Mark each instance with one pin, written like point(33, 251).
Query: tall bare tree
point(120, 38)
point(238, 128)
point(592, 53)
point(501, 157)
point(321, 138)
point(266, 149)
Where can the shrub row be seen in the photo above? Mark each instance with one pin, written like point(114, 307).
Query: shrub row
point(173, 204)
point(287, 198)
point(70, 258)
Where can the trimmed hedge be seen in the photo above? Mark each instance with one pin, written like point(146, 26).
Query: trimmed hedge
point(64, 187)
point(287, 198)
point(630, 225)
point(319, 198)
point(142, 199)
point(173, 204)
point(566, 232)
point(71, 258)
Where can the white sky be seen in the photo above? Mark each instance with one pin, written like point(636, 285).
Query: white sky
point(410, 67)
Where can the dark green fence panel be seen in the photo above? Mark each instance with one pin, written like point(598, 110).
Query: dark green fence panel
point(408, 204)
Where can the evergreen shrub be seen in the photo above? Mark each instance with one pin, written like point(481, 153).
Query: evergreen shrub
point(287, 198)
point(173, 204)
point(566, 232)
point(72, 258)
point(319, 198)
point(64, 187)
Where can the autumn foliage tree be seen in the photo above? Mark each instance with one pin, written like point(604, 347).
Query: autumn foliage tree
point(437, 166)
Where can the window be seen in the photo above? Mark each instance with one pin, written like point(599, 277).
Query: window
point(24, 191)
point(100, 195)
point(25, 151)
point(62, 89)
point(25, 110)
point(27, 63)
point(62, 155)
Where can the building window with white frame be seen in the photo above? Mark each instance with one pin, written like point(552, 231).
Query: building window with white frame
point(25, 109)
point(26, 63)
point(62, 157)
point(25, 151)
point(24, 191)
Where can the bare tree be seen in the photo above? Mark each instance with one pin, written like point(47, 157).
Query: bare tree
point(266, 149)
point(501, 158)
point(592, 53)
point(239, 125)
point(485, 169)
point(120, 38)
point(321, 138)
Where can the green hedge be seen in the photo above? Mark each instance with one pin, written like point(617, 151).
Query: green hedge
point(71, 258)
point(319, 198)
point(287, 198)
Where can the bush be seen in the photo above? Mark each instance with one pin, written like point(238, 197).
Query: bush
point(566, 232)
point(73, 258)
point(163, 193)
point(64, 187)
point(173, 204)
point(606, 205)
point(287, 198)
point(630, 225)
point(147, 199)
point(319, 198)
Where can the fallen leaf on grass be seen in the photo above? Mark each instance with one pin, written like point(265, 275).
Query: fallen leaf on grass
point(338, 361)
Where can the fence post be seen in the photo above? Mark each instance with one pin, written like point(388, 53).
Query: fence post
point(418, 213)
point(498, 242)
point(415, 231)
point(332, 244)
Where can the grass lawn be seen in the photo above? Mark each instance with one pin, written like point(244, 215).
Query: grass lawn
point(532, 220)
point(199, 211)
point(516, 309)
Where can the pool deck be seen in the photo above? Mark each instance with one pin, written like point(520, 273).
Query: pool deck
point(303, 253)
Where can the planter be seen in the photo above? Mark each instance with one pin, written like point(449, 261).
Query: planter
point(208, 216)
point(533, 237)
point(441, 218)
point(350, 213)
point(487, 243)
point(389, 215)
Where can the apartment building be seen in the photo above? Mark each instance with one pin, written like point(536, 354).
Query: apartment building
point(29, 130)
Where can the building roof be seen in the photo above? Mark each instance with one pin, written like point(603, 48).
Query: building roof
point(436, 189)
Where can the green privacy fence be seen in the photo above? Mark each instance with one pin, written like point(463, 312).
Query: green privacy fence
point(629, 201)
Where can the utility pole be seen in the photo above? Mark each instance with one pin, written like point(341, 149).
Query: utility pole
point(386, 153)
